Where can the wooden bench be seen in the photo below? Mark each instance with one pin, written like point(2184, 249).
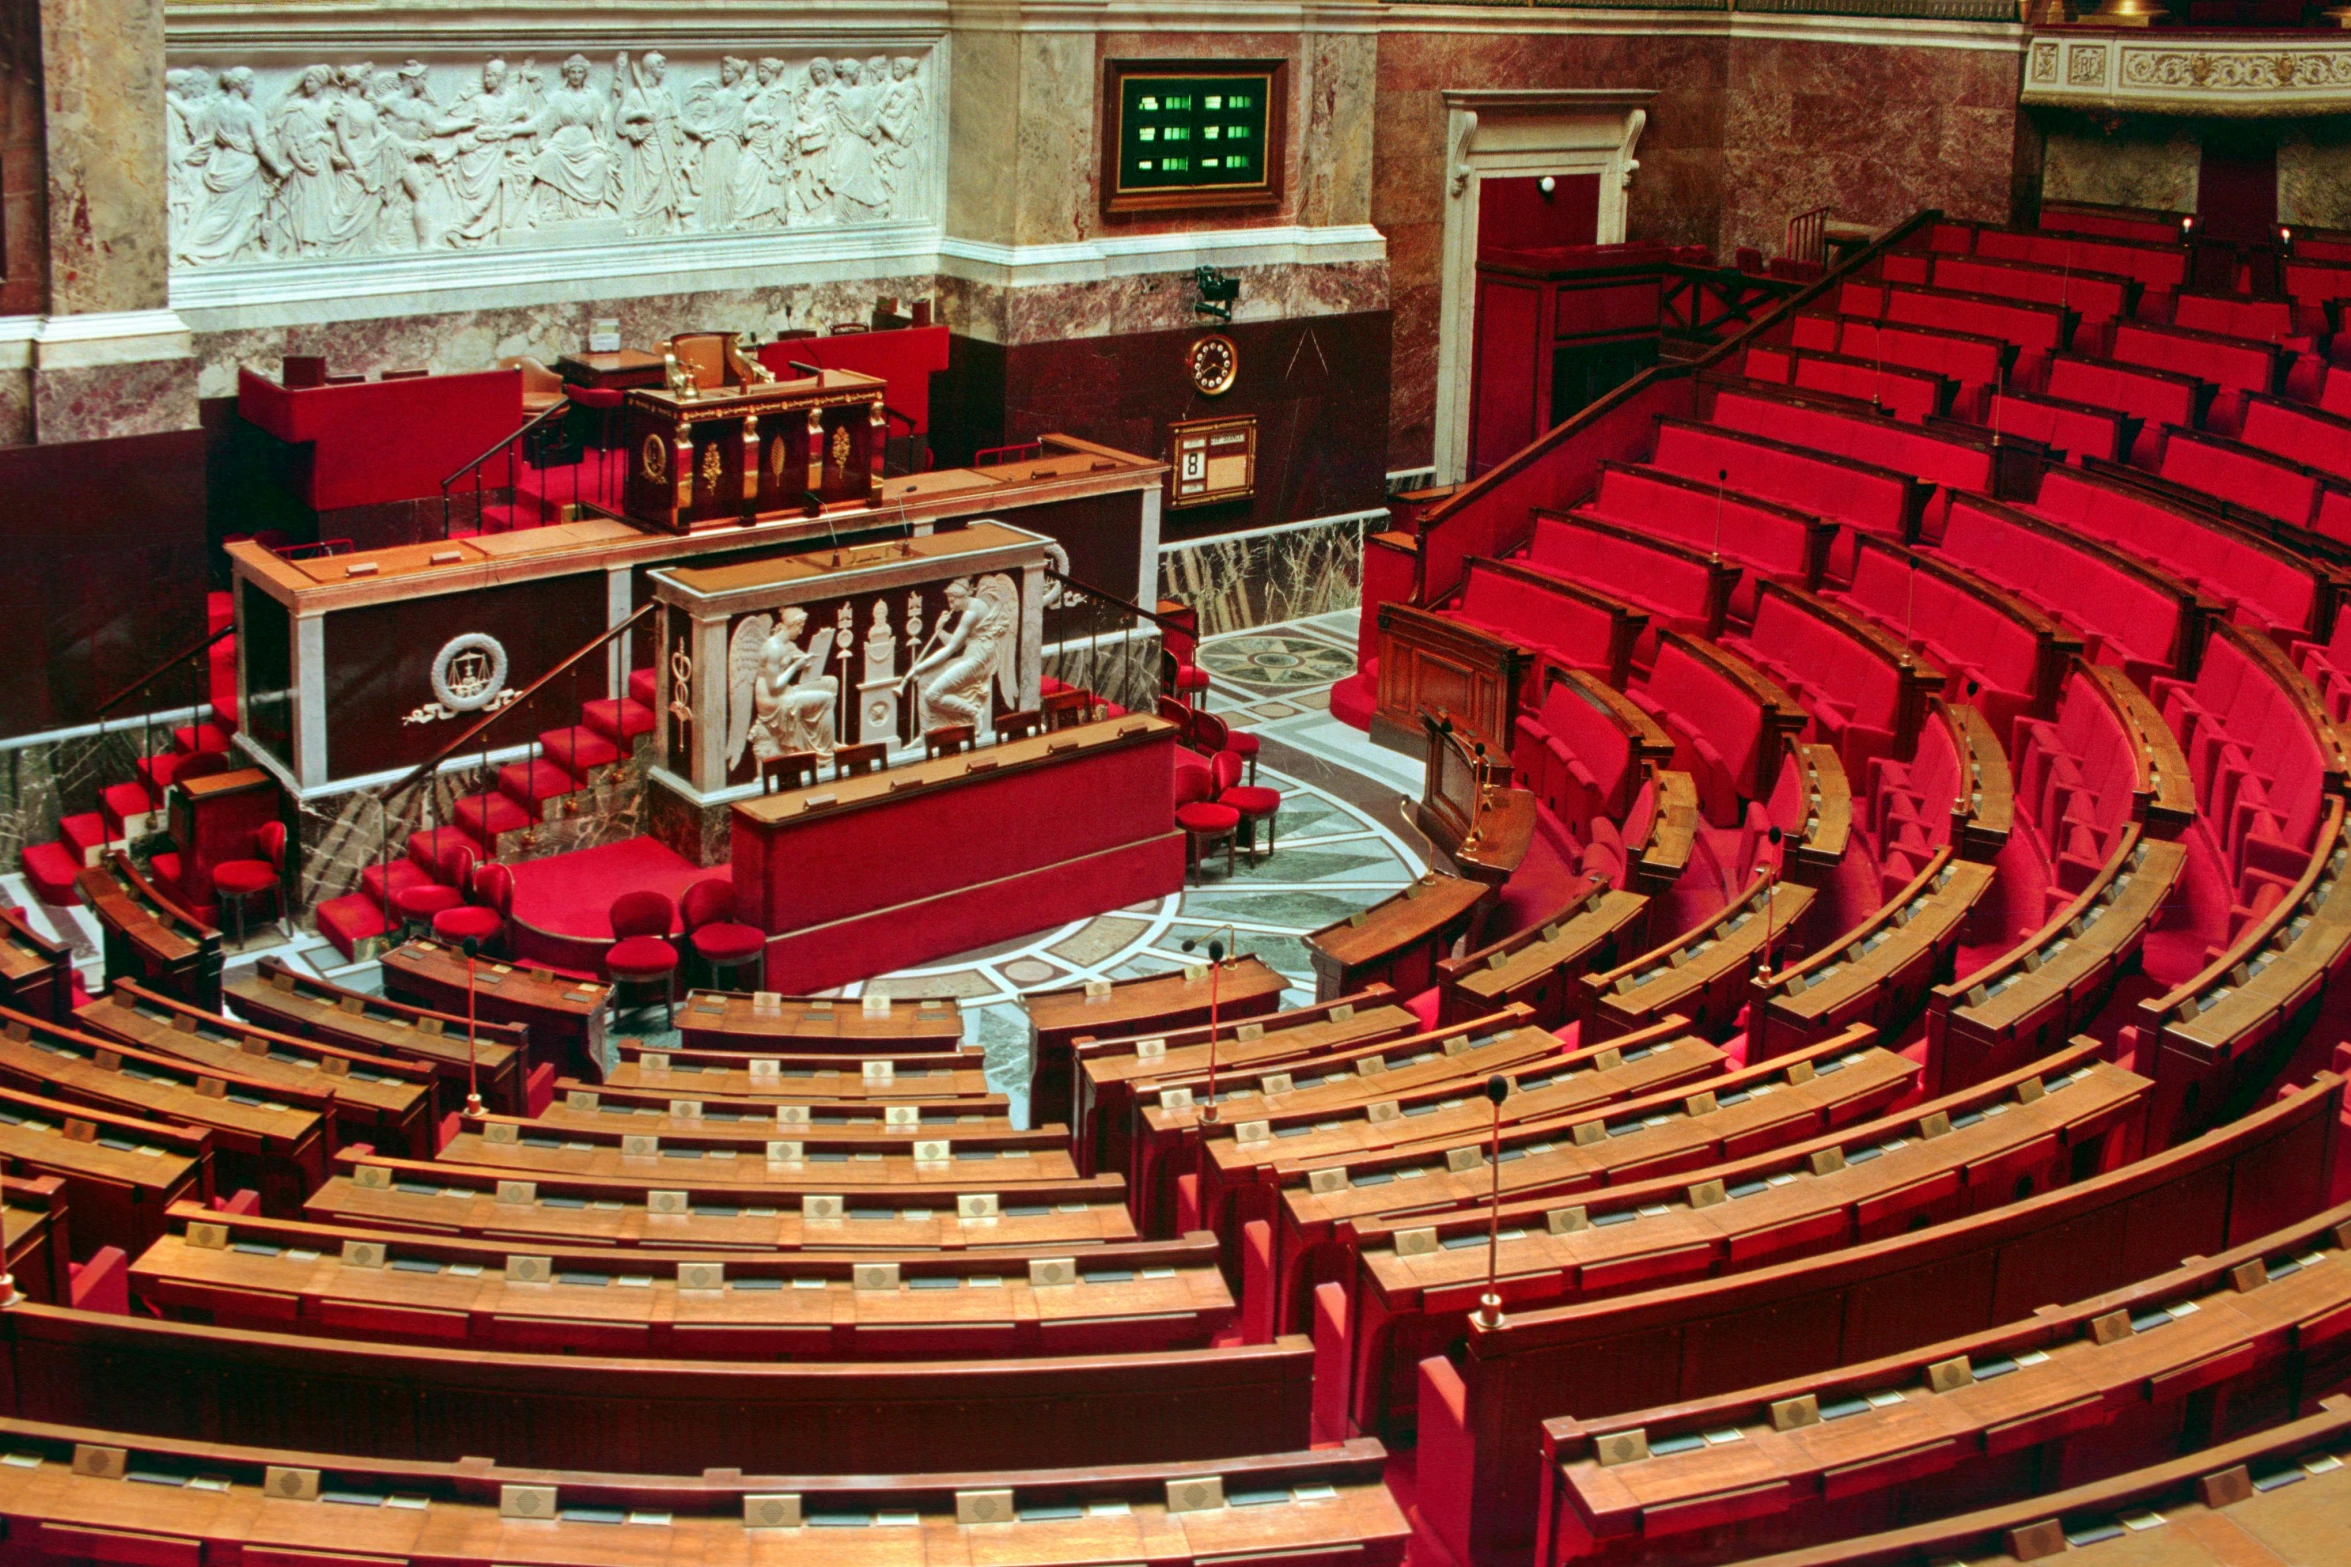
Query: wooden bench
point(619, 1414)
point(2206, 1509)
point(148, 937)
point(272, 994)
point(1673, 583)
point(1538, 967)
point(386, 1102)
point(1700, 974)
point(767, 1023)
point(1244, 1165)
point(1481, 1473)
point(273, 1139)
point(404, 1287)
point(796, 1161)
point(1959, 1424)
point(1114, 1074)
point(712, 1211)
point(1738, 1113)
point(1397, 941)
point(563, 1017)
point(1419, 1276)
point(120, 1171)
point(1148, 1004)
point(36, 973)
point(71, 1492)
point(1880, 972)
point(2008, 1010)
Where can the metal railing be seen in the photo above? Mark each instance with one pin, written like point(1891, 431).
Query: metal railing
point(553, 438)
point(193, 655)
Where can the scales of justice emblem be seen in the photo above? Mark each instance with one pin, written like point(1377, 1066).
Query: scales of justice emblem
point(469, 676)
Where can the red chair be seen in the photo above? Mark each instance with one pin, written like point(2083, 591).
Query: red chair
point(1255, 804)
point(1182, 678)
point(426, 901)
point(1202, 818)
point(1212, 734)
point(721, 941)
point(643, 953)
point(484, 919)
point(233, 881)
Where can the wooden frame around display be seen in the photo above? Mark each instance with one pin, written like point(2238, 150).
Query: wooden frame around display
point(1266, 192)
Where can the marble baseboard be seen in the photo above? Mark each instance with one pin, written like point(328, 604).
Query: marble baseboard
point(701, 833)
point(1246, 580)
point(1155, 301)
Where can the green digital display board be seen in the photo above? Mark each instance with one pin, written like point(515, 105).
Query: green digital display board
point(1195, 137)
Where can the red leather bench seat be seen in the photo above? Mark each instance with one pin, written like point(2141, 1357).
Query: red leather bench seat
point(1576, 759)
point(1873, 499)
point(2125, 619)
point(1768, 539)
point(1844, 682)
point(1963, 632)
point(1906, 393)
point(1865, 437)
point(1672, 584)
point(1718, 729)
point(1974, 362)
point(2237, 366)
point(2156, 397)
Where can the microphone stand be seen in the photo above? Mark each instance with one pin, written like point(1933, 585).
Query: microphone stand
point(1216, 952)
point(473, 1082)
point(1489, 1312)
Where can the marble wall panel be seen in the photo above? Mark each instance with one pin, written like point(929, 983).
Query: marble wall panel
point(2131, 163)
point(983, 117)
point(475, 339)
point(1260, 579)
point(114, 400)
point(102, 83)
point(1155, 301)
point(1874, 132)
point(1335, 146)
point(16, 407)
point(2314, 175)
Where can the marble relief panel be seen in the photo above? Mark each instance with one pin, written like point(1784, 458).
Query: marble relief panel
point(271, 162)
point(2314, 177)
point(2150, 163)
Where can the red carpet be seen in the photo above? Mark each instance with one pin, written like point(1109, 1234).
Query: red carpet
point(561, 903)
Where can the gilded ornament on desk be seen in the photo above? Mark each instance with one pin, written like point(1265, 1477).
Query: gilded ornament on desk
point(655, 459)
point(712, 466)
point(841, 447)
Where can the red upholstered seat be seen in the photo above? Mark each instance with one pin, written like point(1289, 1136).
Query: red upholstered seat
point(236, 878)
point(423, 902)
point(718, 938)
point(1252, 801)
point(1207, 816)
point(1201, 817)
point(233, 881)
point(643, 953)
point(1210, 734)
point(484, 919)
point(1255, 805)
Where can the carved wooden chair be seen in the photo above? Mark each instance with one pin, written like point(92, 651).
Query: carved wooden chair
point(947, 740)
point(1019, 726)
point(792, 770)
point(1067, 709)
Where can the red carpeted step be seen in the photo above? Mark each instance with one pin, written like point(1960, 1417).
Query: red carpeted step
point(349, 920)
point(49, 869)
point(380, 880)
point(164, 872)
point(643, 685)
point(200, 737)
point(85, 837)
point(220, 609)
point(489, 814)
point(619, 722)
point(577, 748)
point(429, 848)
point(528, 784)
point(118, 803)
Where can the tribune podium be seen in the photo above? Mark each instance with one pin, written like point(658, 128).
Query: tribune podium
point(722, 442)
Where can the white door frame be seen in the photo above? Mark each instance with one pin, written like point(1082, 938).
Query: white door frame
point(1517, 134)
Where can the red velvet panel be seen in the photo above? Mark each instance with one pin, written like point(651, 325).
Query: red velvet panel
point(2099, 297)
point(376, 441)
point(907, 358)
point(2226, 472)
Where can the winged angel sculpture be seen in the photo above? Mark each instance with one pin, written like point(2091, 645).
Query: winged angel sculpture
point(978, 641)
point(779, 699)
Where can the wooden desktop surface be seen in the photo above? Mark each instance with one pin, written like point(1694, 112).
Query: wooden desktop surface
point(245, 1108)
point(1395, 923)
point(691, 1073)
point(732, 1020)
point(1244, 988)
point(817, 1170)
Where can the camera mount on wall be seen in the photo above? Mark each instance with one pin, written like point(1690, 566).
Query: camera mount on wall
point(1218, 293)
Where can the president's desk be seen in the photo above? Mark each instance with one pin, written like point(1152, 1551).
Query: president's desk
point(893, 869)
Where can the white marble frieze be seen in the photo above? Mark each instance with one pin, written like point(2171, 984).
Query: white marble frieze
point(282, 172)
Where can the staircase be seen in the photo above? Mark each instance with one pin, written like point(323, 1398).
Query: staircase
point(562, 781)
point(546, 470)
point(129, 810)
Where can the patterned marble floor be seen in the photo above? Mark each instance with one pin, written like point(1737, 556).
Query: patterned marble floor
point(1343, 844)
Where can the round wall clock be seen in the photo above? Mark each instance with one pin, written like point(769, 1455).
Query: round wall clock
point(1214, 363)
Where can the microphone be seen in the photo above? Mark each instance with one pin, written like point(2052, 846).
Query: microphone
point(1489, 1312)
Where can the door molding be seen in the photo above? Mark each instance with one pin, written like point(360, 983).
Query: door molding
point(1517, 134)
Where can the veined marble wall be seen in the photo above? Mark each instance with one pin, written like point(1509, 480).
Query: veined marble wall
point(2314, 175)
point(2136, 163)
point(318, 162)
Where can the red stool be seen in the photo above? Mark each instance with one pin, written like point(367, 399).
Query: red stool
point(1202, 818)
point(643, 953)
point(722, 942)
point(484, 919)
point(427, 901)
point(1255, 805)
point(233, 881)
